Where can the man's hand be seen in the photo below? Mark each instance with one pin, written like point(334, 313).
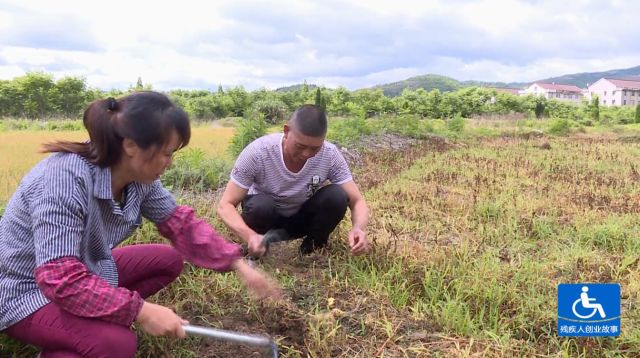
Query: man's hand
point(160, 321)
point(254, 244)
point(358, 241)
point(259, 285)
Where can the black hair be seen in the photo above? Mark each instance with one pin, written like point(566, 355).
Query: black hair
point(147, 117)
point(309, 120)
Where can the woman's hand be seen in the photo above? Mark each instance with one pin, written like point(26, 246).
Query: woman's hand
point(259, 285)
point(160, 321)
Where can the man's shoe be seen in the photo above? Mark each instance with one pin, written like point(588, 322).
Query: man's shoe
point(307, 246)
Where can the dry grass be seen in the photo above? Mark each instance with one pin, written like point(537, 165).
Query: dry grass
point(19, 151)
point(470, 239)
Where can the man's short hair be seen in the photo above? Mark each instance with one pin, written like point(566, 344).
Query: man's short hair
point(309, 120)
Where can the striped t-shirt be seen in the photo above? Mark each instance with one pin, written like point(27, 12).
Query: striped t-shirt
point(260, 168)
point(65, 207)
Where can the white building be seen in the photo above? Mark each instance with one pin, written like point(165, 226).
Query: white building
point(614, 92)
point(553, 91)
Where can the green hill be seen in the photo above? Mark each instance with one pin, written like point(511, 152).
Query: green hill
point(494, 84)
point(428, 82)
point(582, 80)
point(293, 88)
point(442, 83)
point(445, 84)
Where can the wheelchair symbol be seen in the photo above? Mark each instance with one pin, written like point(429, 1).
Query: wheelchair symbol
point(586, 303)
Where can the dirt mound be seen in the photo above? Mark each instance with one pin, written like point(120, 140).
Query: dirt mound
point(543, 145)
point(277, 321)
point(392, 152)
point(535, 133)
point(286, 321)
point(629, 139)
point(526, 135)
point(354, 155)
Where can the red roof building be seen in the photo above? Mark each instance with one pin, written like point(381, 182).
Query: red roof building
point(555, 91)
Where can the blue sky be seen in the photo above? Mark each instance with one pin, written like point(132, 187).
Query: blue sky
point(199, 44)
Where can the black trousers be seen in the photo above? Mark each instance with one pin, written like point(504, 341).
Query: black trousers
point(315, 221)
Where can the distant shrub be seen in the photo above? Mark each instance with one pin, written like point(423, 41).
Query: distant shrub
point(405, 125)
point(193, 170)
point(486, 132)
point(229, 121)
point(346, 132)
point(457, 124)
point(52, 125)
point(618, 114)
point(64, 125)
point(560, 126)
point(247, 131)
point(16, 125)
point(587, 123)
point(356, 110)
point(272, 110)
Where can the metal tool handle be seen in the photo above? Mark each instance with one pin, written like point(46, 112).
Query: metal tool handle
point(251, 339)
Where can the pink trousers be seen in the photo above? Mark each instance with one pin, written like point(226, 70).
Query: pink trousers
point(142, 268)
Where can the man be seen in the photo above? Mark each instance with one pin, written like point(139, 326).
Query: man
point(293, 185)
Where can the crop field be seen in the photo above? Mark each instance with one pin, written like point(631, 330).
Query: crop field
point(471, 234)
point(20, 150)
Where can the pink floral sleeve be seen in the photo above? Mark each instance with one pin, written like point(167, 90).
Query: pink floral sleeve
point(68, 283)
point(197, 241)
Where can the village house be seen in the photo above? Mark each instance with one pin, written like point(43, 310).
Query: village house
point(616, 92)
point(568, 93)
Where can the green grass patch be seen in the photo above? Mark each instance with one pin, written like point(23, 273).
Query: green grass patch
point(193, 170)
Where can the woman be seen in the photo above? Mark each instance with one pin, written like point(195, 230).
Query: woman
point(63, 286)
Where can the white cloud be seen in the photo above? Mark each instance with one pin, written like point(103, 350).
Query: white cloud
point(194, 44)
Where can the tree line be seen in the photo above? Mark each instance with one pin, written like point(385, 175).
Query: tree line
point(36, 95)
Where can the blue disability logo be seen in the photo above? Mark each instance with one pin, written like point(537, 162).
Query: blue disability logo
point(589, 309)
